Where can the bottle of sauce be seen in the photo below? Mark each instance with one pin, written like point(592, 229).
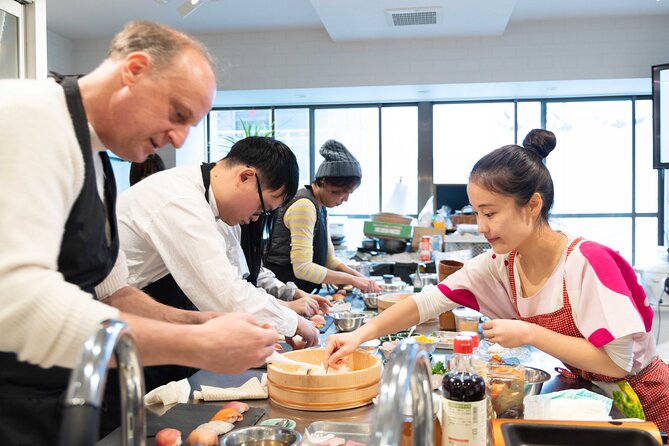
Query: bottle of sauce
point(464, 402)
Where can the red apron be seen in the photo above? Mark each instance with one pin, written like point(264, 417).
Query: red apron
point(651, 384)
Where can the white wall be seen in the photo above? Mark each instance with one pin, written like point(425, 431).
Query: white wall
point(530, 51)
point(60, 51)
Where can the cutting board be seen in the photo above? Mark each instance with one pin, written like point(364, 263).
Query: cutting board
point(185, 418)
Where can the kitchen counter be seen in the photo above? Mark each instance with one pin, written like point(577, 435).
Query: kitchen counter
point(364, 414)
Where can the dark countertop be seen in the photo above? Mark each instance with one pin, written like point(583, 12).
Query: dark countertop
point(364, 414)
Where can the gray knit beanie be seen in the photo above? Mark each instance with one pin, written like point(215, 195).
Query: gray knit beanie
point(338, 161)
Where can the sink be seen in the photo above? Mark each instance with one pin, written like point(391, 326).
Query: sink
point(524, 434)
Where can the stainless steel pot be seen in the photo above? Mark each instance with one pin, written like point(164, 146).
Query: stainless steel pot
point(426, 278)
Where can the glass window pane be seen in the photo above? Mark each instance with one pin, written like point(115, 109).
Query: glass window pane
point(228, 126)
point(529, 117)
point(358, 130)
point(590, 165)
point(645, 234)
point(292, 128)
point(646, 177)
point(463, 133)
point(9, 45)
point(616, 233)
point(399, 159)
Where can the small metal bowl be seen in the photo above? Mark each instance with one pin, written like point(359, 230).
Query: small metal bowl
point(534, 380)
point(370, 300)
point(348, 321)
point(280, 436)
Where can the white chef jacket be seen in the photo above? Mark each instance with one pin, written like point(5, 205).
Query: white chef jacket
point(266, 278)
point(167, 226)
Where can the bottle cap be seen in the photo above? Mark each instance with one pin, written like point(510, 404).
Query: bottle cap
point(471, 334)
point(463, 345)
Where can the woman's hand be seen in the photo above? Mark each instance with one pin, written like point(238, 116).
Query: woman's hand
point(365, 284)
point(340, 345)
point(508, 333)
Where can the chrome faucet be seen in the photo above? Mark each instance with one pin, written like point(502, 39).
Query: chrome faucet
point(85, 391)
point(408, 370)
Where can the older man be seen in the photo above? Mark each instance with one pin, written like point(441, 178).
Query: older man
point(60, 263)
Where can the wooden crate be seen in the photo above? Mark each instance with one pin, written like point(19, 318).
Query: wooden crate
point(463, 219)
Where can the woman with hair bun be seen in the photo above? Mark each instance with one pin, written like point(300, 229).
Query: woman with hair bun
point(574, 299)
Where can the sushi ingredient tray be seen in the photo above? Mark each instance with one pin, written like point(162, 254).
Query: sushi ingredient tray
point(320, 432)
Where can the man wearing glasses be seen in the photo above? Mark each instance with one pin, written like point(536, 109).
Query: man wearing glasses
point(175, 253)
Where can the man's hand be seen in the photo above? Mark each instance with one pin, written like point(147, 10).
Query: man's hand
point(233, 343)
point(313, 301)
point(307, 332)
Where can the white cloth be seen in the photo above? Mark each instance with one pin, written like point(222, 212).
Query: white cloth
point(44, 319)
point(253, 389)
point(167, 226)
point(266, 278)
point(170, 393)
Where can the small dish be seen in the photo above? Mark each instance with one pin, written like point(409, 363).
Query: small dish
point(445, 339)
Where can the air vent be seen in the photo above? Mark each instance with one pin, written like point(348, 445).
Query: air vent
point(413, 16)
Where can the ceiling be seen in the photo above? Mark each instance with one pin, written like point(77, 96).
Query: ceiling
point(344, 20)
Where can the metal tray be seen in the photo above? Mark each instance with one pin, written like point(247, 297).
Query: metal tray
point(549, 434)
point(318, 431)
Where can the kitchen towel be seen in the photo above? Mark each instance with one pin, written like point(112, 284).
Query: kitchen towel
point(253, 389)
point(170, 393)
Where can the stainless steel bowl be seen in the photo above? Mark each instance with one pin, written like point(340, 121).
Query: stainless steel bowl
point(274, 435)
point(370, 300)
point(534, 380)
point(348, 321)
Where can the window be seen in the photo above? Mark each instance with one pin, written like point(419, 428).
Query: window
point(292, 128)
point(399, 160)
point(463, 133)
point(358, 129)
point(605, 186)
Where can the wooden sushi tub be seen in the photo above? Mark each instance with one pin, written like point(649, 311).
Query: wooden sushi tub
point(384, 301)
point(292, 388)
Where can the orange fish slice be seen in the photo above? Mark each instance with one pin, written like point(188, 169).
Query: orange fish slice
point(228, 414)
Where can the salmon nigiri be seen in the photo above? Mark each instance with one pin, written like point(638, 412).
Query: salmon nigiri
point(227, 414)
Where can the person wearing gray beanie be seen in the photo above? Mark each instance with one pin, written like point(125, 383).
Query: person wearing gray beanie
point(301, 249)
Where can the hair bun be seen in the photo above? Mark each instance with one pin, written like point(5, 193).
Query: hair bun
point(540, 141)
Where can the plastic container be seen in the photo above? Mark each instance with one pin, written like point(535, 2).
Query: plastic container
point(321, 431)
point(407, 426)
point(466, 319)
point(506, 388)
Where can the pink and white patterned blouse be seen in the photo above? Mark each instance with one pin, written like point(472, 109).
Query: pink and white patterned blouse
point(606, 299)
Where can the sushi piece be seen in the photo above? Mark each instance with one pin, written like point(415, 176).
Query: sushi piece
point(318, 320)
point(237, 405)
point(217, 427)
point(227, 414)
point(202, 437)
point(168, 437)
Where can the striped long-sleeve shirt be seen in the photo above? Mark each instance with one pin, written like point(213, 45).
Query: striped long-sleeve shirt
point(300, 220)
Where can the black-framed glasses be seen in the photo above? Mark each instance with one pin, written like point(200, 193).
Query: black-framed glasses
point(265, 212)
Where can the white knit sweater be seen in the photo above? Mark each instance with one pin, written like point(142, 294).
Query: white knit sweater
point(43, 319)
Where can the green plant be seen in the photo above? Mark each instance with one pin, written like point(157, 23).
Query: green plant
point(250, 129)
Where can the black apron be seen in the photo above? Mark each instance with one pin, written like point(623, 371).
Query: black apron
point(166, 291)
point(284, 271)
point(31, 397)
